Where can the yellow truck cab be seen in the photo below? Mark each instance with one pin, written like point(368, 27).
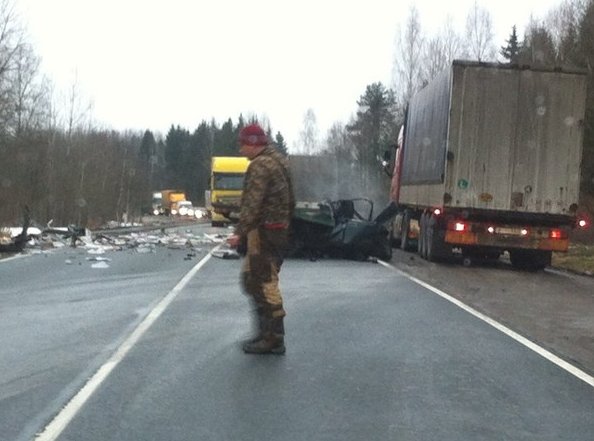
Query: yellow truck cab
point(226, 185)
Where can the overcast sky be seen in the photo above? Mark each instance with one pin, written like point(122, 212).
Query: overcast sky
point(148, 64)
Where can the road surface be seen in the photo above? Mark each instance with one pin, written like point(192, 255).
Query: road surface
point(148, 349)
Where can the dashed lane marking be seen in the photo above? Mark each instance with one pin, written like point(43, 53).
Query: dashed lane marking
point(65, 416)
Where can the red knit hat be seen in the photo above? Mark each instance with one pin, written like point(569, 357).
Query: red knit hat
point(253, 135)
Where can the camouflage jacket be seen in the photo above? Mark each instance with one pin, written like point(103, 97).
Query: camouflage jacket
point(267, 195)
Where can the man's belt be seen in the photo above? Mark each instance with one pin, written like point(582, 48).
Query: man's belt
point(275, 225)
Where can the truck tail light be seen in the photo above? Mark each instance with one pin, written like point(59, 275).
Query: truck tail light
point(460, 226)
point(556, 234)
point(437, 211)
point(524, 232)
point(582, 223)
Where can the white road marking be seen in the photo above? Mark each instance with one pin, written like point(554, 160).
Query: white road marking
point(520, 339)
point(65, 416)
point(8, 259)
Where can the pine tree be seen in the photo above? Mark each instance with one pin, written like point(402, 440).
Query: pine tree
point(373, 131)
point(280, 143)
point(148, 146)
point(511, 51)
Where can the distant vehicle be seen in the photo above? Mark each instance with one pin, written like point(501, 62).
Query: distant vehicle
point(226, 185)
point(489, 161)
point(156, 203)
point(169, 201)
point(182, 208)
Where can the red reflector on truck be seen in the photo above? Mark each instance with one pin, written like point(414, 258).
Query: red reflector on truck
point(555, 234)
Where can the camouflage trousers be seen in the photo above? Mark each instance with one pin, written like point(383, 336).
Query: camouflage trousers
point(260, 269)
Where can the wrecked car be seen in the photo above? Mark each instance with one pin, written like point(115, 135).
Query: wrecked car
point(343, 228)
point(16, 244)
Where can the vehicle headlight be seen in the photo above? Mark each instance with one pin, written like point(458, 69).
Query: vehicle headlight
point(174, 211)
point(183, 211)
point(156, 212)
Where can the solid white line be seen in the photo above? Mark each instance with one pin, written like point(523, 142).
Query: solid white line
point(8, 259)
point(65, 416)
point(520, 339)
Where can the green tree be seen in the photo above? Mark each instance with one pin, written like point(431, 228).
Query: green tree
point(202, 140)
point(372, 132)
point(225, 140)
point(177, 154)
point(281, 145)
point(511, 50)
point(538, 47)
point(148, 146)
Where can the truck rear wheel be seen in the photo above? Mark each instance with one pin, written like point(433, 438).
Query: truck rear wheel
point(435, 246)
point(422, 242)
point(405, 241)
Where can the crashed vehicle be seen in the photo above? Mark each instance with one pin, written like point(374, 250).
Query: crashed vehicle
point(16, 244)
point(343, 228)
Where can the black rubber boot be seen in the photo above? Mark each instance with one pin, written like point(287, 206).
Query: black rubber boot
point(259, 324)
point(272, 342)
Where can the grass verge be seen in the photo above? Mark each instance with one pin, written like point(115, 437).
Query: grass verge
point(579, 258)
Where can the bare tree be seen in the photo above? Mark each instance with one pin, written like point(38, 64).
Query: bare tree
point(30, 92)
point(538, 47)
point(479, 30)
point(309, 135)
point(563, 26)
point(434, 58)
point(453, 44)
point(406, 71)
point(11, 40)
point(441, 50)
point(340, 146)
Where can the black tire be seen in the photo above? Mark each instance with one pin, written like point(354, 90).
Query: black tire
point(435, 246)
point(405, 242)
point(422, 241)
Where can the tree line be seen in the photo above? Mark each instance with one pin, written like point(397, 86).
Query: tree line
point(67, 169)
point(564, 38)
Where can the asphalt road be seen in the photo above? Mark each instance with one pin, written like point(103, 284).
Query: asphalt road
point(371, 354)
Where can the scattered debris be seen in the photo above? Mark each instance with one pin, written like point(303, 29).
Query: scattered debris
point(96, 245)
point(98, 259)
point(224, 252)
point(10, 244)
point(342, 228)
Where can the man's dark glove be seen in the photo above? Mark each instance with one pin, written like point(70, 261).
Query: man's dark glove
point(242, 246)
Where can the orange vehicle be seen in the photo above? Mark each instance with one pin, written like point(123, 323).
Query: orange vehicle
point(168, 201)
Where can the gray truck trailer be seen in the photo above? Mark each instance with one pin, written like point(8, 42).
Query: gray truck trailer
point(488, 161)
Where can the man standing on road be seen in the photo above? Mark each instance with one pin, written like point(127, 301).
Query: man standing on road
point(267, 205)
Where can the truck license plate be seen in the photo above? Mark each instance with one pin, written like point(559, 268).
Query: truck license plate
point(509, 231)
